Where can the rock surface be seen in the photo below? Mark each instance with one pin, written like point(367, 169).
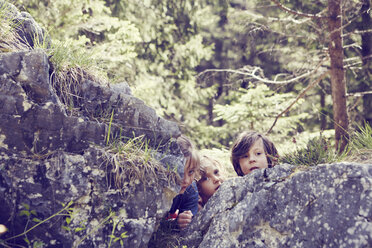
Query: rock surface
point(323, 206)
point(41, 188)
point(56, 172)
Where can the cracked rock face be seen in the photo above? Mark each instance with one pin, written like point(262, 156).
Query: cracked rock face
point(323, 206)
point(33, 120)
point(50, 157)
point(43, 187)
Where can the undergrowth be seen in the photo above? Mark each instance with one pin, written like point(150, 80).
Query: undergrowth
point(320, 150)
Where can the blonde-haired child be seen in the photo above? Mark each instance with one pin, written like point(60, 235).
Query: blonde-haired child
point(187, 199)
point(210, 178)
point(209, 182)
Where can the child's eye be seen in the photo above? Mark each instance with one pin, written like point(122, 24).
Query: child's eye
point(216, 172)
point(191, 172)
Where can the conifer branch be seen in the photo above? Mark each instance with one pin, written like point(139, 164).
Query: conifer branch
point(310, 86)
point(281, 6)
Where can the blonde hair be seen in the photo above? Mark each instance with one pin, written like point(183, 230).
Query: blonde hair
point(190, 153)
point(206, 161)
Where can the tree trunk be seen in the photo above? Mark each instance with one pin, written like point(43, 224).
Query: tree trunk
point(337, 75)
point(366, 81)
point(323, 118)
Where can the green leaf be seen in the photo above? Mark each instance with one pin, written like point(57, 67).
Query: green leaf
point(27, 241)
point(25, 212)
point(26, 206)
point(78, 229)
point(68, 220)
point(36, 220)
point(33, 212)
point(66, 228)
point(124, 235)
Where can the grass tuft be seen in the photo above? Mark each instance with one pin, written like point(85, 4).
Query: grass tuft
point(130, 162)
point(362, 139)
point(10, 40)
point(317, 151)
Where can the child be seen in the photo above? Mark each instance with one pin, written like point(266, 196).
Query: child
point(210, 180)
point(208, 184)
point(187, 199)
point(251, 151)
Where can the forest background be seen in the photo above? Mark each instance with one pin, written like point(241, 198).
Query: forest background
point(218, 67)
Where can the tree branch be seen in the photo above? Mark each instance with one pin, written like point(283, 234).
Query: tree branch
point(281, 6)
point(310, 86)
point(358, 94)
point(252, 73)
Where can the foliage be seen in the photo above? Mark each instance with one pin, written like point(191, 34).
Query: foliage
point(160, 46)
point(88, 26)
point(29, 213)
point(247, 110)
point(317, 151)
point(362, 138)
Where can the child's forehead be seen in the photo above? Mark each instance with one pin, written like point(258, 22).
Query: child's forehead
point(258, 143)
point(191, 166)
point(209, 165)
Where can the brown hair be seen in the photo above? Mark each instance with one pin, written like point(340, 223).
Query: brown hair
point(244, 142)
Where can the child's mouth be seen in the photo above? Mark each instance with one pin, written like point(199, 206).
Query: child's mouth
point(253, 168)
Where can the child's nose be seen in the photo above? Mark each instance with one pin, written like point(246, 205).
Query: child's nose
point(216, 179)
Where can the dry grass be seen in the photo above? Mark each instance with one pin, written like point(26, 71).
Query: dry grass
point(131, 162)
point(10, 41)
point(361, 156)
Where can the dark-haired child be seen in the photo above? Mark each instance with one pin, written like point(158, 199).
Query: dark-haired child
point(252, 150)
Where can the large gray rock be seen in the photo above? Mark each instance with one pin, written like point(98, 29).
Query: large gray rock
point(44, 186)
point(33, 120)
point(322, 206)
point(51, 156)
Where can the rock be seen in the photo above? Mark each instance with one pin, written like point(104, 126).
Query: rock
point(33, 120)
point(286, 206)
point(56, 169)
point(30, 33)
point(40, 188)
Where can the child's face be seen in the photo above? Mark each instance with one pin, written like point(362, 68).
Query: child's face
point(188, 177)
point(255, 158)
point(210, 182)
